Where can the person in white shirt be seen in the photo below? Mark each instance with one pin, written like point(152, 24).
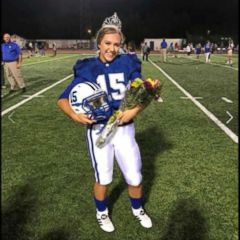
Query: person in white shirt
point(188, 50)
point(230, 52)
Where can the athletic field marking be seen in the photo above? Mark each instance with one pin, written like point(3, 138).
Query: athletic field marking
point(228, 131)
point(217, 64)
point(48, 60)
point(193, 97)
point(55, 59)
point(30, 96)
point(10, 117)
point(227, 100)
point(224, 66)
point(231, 117)
point(180, 56)
point(34, 95)
point(221, 56)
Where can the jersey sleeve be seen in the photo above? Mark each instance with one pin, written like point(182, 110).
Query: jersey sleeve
point(135, 67)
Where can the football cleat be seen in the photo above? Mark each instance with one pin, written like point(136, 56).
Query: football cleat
point(104, 221)
point(142, 217)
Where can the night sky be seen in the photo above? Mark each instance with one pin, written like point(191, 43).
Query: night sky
point(70, 19)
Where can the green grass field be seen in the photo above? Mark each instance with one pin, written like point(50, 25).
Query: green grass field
point(190, 165)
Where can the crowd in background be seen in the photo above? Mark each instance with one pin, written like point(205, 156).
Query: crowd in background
point(207, 48)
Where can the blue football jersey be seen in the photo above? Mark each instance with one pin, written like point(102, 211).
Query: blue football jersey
point(113, 77)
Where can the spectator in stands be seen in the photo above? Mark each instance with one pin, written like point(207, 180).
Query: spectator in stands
point(12, 59)
point(230, 52)
point(213, 48)
point(29, 47)
point(41, 47)
point(207, 50)
point(198, 50)
point(163, 50)
point(54, 47)
point(171, 49)
point(188, 49)
point(176, 49)
point(145, 51)
point(191, 47)
point(221, 47)
point(131, 48)
point(36, 48)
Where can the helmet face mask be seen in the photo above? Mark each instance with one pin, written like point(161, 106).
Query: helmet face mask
point(90, 99)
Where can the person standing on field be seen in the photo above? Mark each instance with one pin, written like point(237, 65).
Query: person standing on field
point(146, 51)
point(230, 52)
point(112, 72)
point(163, 50)
point(54, 49)
point(12, 60)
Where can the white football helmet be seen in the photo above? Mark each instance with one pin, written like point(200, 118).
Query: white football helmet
point(90, 99)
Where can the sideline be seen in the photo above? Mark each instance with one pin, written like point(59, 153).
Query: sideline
point(48, 60)
point(34, 95)
point(228, 131)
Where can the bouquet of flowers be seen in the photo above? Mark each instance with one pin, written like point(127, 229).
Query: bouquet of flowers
point(140, 93)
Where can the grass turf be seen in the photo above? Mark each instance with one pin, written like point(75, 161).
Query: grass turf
point(189, 169)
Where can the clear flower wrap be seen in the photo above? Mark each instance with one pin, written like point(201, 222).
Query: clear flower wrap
point(140, 93)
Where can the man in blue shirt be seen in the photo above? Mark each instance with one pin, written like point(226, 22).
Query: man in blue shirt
point(12, 58)
point(163, 50)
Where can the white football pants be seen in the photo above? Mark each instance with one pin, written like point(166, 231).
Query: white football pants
point(123, 147)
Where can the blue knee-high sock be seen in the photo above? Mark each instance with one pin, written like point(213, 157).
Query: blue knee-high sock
point(101, 205)
point(136, 202)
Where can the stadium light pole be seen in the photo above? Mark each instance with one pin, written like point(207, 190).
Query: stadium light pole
point(208, 34)
point(89, 31)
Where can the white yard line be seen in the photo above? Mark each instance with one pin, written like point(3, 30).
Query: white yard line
point(231, 117)
point(25, 96)
point(10, 117)
point(34, 95)
point(49, 60)
point(228, 131)
point(227, 100)
point(193, 97)
point(55, 59)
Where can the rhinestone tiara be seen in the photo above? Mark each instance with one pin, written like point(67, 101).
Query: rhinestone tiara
point(112, 21)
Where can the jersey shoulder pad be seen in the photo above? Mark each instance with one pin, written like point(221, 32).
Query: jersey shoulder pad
point(83, 62)
point(82, 66)
point(132, 61)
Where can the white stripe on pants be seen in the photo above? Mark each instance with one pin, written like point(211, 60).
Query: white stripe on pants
point(126, 151)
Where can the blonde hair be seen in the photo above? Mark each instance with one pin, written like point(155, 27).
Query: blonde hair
point(108, 30)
